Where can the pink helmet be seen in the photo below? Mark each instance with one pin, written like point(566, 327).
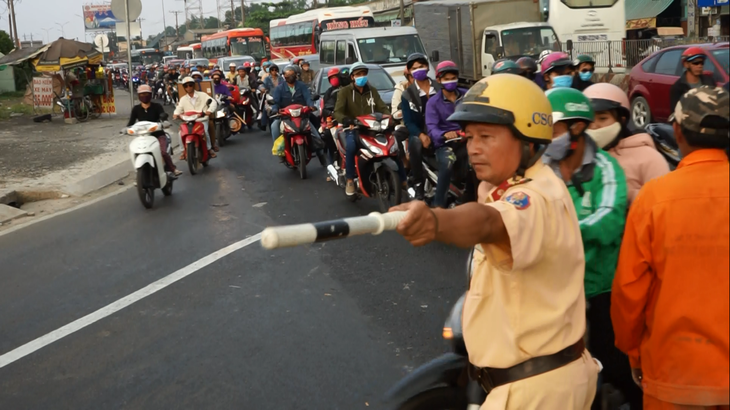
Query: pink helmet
point(555, 60)
point(144, 88)
point(606, 96)
point(446, 67)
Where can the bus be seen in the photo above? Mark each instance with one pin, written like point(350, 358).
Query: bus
point(145, 56)
point(593, 26)
point(236, 42)
point(299, 34)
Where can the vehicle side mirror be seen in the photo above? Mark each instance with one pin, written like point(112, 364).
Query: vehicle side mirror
point(569, 43)
point(315, 98)
point(350, 60)
point(435, 56)
point(209, 102)
point(164, 116)
point(269, 99)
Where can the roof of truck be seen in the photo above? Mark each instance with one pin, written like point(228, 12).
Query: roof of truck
point(372, 32)
point(453, 2)
point(519, 24)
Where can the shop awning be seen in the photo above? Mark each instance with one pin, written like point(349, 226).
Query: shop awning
point(17, 56)
point(642, 9)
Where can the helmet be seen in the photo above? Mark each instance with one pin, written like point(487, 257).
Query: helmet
point(216, 73)
point(247, 64)
point(231, 65)
point(527, 64)
point(508, 100)
point(196, 73)
point(187, 80)
point(570, 104)
point(358, 66)
point(211, 64)
point(144, 88)
point(445, 67)
point(583, 58)
point(506, 67)
point(240, 67)
point(542, 56)
point(693, 53)
point(296, 61)
point(206, 72)
point(333, 72)
point(555, 60)
point(305, 62)
point(606, 96)
point(416, 57)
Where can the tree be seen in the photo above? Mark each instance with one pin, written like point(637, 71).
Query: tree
point(6, 44)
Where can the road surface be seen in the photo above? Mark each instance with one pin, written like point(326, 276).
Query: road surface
point(327, 326)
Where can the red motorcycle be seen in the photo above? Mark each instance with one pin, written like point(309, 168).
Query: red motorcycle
point(192, 133)
point(376, 169)
point(297, 137)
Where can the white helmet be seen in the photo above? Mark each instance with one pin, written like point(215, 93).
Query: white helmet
point(231, 65)
point(188, 80)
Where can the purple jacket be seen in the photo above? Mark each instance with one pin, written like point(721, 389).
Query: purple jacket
point(222, 89)
point(438, 109)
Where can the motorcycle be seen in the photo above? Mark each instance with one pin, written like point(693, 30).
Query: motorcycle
point(245, 107)
point(666, 144)
point(442, 383)
point(376, 175)
point(297, 131)
point(135, 82)
point(160, 91)
point(221, 122)
point(171, 95)
point(192, 134)
point(262, 94)
point(125, 81)
point(147, 159)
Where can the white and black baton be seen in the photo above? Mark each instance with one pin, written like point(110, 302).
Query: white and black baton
point(293, 235)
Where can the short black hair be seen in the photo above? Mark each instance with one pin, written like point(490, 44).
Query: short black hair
point(699, 140)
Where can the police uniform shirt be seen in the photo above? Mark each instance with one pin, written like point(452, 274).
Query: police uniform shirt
point(527, 299)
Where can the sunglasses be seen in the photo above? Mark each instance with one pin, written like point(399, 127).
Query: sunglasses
point(188, 85)
point(697, 62)
point(587, 70)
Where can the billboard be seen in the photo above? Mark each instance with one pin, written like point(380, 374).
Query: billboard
point(99, 17)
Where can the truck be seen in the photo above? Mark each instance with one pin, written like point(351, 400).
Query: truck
point(475, 33)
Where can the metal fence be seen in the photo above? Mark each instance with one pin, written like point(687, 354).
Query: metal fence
point(624, 54)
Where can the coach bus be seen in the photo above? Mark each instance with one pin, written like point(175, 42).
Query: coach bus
point(236, 42)
point(144, 56)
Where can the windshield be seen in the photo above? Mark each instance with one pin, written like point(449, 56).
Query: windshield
point(529, 41)
point(722, 56)
point(389, 50)
point(198, 61)
point(248, 46)
point(588, 4)
point(225, 63)
point(151, 58)
point(378, 79)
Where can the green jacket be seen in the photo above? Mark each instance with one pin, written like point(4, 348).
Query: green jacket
point(601, 214)
point(351, 103)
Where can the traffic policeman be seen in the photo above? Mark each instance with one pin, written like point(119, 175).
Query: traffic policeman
point(524, 315)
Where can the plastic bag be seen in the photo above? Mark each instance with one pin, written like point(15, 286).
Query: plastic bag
point(278, 148)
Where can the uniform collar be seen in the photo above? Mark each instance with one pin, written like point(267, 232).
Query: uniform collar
point(498, 191)
point(703, 155)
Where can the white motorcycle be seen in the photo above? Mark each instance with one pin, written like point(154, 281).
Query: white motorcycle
point(147, 159)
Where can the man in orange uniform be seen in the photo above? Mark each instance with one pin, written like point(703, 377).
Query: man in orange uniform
point(669, 305)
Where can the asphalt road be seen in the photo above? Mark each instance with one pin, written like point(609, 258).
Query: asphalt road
point(328, 326)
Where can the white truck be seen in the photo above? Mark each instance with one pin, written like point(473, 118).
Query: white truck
point(475, 33)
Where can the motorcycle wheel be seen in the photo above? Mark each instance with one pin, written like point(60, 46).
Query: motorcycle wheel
point(192, 160)
point(302, 150)
point(219, 134)
point(439, 398)
point(388, 189)
point(167, 189)
point(146, 194)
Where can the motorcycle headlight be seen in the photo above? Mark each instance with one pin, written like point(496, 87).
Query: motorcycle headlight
point(374, 125)
point(220, 114)
point(385, 123)
point(295, 112)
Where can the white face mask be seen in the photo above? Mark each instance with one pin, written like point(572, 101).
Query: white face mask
point(606, 135)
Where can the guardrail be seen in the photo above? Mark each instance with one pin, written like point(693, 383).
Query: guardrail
point(627, 53)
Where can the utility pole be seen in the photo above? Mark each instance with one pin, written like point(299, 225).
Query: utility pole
point(177, 25)
point(218, 12)
point(233, 15)
point(164, 24)
point(15, 23)
point(10, 23)
point(243, 14)
point(140, 29)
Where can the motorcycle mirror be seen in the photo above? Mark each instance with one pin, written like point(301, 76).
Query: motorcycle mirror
point(316, 97)
point(209, 102)
point(164, 116)
point(166, 124)
point(269, 99)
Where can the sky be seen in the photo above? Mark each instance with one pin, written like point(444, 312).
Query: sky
point(44, 18)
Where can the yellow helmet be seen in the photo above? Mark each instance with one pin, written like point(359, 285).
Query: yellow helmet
point(511, 100)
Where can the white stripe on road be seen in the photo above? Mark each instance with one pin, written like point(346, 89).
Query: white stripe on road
point(120, 304)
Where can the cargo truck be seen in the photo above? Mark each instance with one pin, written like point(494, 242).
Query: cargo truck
point(475, 33)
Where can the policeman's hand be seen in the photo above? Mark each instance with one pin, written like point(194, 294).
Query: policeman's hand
point(208, 113)
point(637, 375)
point(175, 116)
point(420, 224)
point(425, 140)
point(451, 135)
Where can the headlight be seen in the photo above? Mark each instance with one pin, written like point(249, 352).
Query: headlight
point(385, 123)
point(372, 124)
point(295, 112)
point(220, 114)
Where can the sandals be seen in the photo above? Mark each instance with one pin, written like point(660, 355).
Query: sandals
point(216, 149)
point(211, 153)
point(177, 172)
point(183, 157)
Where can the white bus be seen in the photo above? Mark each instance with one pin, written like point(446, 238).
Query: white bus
point(590, 25)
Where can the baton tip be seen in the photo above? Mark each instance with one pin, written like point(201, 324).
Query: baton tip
point(269, 239)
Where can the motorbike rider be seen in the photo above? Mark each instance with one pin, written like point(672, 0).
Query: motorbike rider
point(440, 130)
point(413, 106)
point(401, 131)
point(529, 68)
point(272, 81)
point(506, 66)
point(583, 66)
point(328, 110)
point(219, 87)
point(354, 100)
point(635, 152)
point(557, 70)
point(196, 101)
point(307, 74)
point(670, 295)
point(264, 70)
point(693, 60)
point(231, 74)
point(526, 304)
point(253, 77)
point(147, 110)
point(597, 185)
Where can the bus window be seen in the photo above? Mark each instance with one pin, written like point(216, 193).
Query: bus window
point(340, 53)
point(327, 54)
point(351, 51)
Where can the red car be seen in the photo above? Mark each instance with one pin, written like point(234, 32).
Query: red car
point(653, 77)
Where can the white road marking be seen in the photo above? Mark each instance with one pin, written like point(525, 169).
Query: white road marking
point(120, 304)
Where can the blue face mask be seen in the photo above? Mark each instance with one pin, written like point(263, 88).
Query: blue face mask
point(564, 81)
point(361, 81)
point(586, 76)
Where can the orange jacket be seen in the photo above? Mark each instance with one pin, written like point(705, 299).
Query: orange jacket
point(669, 306)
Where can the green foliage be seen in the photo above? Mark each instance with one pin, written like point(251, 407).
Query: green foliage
point(6, 44)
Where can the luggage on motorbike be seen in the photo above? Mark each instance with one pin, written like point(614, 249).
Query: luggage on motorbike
point(278, 148)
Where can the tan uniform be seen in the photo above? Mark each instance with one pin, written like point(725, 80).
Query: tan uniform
point(528, 300)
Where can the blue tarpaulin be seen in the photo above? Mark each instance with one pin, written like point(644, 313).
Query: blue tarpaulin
point(712, 3)
point(641, 9)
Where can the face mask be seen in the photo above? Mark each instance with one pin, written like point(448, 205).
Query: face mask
point(361, 81)
point(335, 82)
point(586, 76)
point(420, 74)
point(258, 68)
point(450, 85)
point(217, 81)
point(145, 98)
point(564, 81)
point(557, 149)
point(291, 79)
point(606, 135)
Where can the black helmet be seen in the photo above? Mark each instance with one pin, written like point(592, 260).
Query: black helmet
point(420, 57)
point(527, 64)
